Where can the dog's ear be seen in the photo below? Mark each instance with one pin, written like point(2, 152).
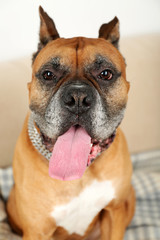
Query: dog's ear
point(110, 32)
point(48, 31)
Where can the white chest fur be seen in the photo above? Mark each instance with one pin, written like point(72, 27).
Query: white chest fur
point(76, 215)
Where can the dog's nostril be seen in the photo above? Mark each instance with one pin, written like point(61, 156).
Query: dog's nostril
point(69, 101)
point(86, 102)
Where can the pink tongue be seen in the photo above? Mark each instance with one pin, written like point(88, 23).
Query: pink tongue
point(70, 154)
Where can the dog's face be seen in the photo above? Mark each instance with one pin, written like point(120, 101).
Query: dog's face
point(78, 82)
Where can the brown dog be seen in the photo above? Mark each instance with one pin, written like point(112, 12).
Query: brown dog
point(77, 97)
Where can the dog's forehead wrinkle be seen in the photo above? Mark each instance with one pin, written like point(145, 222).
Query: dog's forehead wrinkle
point(79, 48)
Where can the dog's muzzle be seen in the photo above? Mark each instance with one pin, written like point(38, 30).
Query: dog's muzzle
point(77, 98)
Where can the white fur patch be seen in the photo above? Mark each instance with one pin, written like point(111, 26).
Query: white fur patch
point(76, 215)
point(103, 125)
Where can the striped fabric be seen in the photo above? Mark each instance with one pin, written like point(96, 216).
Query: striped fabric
point(6, 182)
point(147, 161)
point(146, 222)
point(146, 180)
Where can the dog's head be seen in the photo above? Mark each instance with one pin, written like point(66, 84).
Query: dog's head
point(78, 88)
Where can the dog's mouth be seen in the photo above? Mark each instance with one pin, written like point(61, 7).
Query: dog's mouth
point(72, 152)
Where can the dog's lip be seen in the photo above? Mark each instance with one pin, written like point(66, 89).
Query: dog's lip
point(48, 142)
point(97, 145)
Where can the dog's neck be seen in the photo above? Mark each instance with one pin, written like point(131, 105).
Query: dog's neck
point(36, 140)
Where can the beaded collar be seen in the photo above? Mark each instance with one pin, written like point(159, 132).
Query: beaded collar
point(36, 139)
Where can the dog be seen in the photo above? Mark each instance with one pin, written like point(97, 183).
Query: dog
point(71, 166)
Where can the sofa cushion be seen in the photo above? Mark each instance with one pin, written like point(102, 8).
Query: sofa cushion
point(141, 123)
point(13, 104)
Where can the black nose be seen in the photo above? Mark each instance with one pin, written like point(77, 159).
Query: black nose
point(77, 98)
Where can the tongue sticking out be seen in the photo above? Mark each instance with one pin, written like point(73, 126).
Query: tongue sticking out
point(70, 154)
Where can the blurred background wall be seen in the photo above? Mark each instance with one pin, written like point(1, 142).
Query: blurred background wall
point(19, 22)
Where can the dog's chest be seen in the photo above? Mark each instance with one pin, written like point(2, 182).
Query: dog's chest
point(76, 215)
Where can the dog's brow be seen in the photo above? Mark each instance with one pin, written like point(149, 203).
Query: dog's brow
point(101, 61)
point(55, 64)
point(99, 64)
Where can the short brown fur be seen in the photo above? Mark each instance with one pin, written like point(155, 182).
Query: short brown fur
point(35, 193)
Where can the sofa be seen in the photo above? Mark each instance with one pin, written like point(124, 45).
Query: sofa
point(141, 126)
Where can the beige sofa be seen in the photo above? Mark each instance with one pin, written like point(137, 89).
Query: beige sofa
point(142, 120)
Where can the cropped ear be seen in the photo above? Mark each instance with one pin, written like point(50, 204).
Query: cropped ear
point(110, 31)
point(48, 31)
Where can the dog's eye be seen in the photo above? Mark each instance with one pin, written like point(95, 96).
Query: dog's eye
point(48, 76)
point(105, 75)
